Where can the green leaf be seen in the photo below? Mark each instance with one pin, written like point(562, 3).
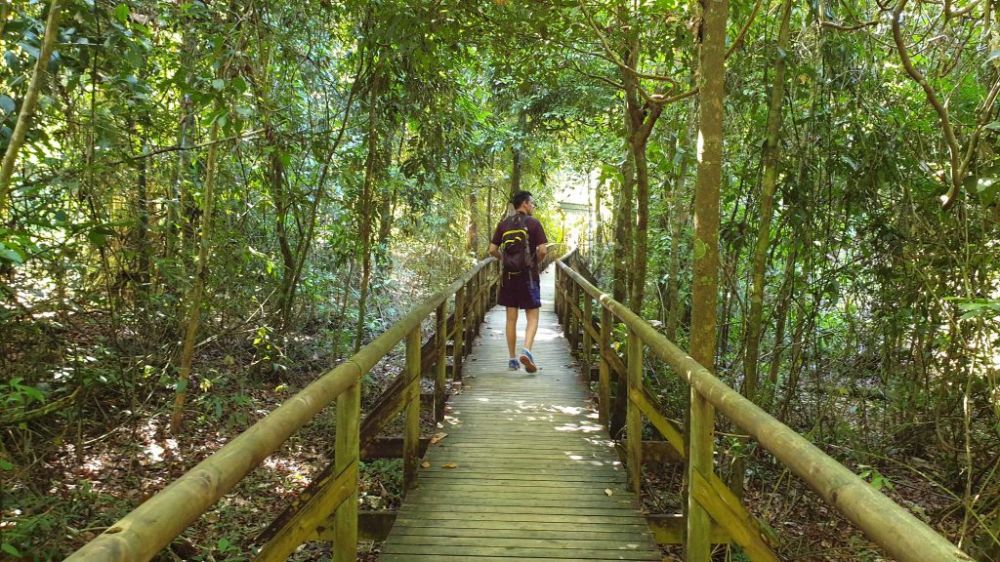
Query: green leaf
point(993, 56)
point(7, 104)
point(10, 255)
point(218, 83)
point(6, 465)
point(121, 13)
point(994, 126)
point(9, 549)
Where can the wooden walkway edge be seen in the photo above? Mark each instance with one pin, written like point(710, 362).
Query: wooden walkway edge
point(525, 472)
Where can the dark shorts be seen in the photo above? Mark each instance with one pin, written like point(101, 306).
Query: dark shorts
point(520, 290)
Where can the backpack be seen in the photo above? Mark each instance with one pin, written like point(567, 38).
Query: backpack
point(515, 252)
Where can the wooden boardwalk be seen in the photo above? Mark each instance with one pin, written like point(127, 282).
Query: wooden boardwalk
point(525, 472)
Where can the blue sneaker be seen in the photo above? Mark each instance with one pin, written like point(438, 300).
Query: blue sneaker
point(513, 365)
point(528, 360)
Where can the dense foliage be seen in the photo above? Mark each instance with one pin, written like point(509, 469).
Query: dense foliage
point(217, 199)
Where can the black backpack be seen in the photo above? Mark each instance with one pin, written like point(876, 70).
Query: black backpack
point(515, 252)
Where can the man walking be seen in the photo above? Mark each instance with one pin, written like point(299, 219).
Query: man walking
point(519, 244)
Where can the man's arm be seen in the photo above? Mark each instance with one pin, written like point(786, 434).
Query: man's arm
point(494, 250)
point(540, 252)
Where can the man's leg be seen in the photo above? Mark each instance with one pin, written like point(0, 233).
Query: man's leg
point(529, 333)
point(527, 359)
point(512, 330)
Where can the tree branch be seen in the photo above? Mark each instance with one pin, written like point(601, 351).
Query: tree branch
point(932, 97)
point(746, 27)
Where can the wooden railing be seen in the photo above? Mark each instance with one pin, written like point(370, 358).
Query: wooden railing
point(893, 528)
point(332, 498)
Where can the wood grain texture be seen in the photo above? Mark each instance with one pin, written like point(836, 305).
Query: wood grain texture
point(526, 469)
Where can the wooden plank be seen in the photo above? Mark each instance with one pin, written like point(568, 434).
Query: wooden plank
point(618, 534)
point(462, 558)
point(668, 528)
point(477, 551)
point(729, 513)
point(504, 542)
point(306, 521)
point(390, 448)
point(533, 463)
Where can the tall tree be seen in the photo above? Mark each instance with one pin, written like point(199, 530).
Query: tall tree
point(704, 293)
point(27, 111)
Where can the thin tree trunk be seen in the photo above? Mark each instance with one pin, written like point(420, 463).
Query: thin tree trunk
point(705, 267)
point(306, 243)
point(678, 222)
point(472, 231)
point(759, 262)
point(366, 217)
point(28, 105)
point(622, 266)
point(197, 289)
point(781, 316)
point(281, 206)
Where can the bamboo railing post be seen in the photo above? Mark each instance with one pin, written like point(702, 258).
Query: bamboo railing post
point(472, 325)
point(561, 291)
point(574, 301)
point(588, 344)
point(345, 454)
point(484, 295)
point(459, 335)
point(441, 367)
point(604, 374)
point(633, 416)
point(701, 442)
point(411, 437)
point(558, 303)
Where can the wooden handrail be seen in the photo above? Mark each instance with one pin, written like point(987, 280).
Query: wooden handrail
point(886, 523)
point(146, 530)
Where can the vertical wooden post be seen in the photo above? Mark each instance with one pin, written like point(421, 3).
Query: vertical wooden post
point(459, 337)
point(574, 322)
point(471, 326)
point(700, 445)
point(484, 283)
point(633, 417)
point(604, 380)
point(560, 298)
point(411, 437)
point(558, 303)
point(588, 343)
point(440, 368)
point(346, 453)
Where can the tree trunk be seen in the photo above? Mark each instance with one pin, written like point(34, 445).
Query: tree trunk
point(197, 289)
point(472, 231)
point(515, 172)
point(706, 258)
point(760, 252)
point(781, 316)
point(679, 216)
point(366, 217)
point(28, 105)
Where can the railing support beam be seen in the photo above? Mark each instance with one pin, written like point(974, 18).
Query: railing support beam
point(346, 454)
point(441, 367)
point(459, 341)
point(411, 437)
point(604, 373)
point(633, 416)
